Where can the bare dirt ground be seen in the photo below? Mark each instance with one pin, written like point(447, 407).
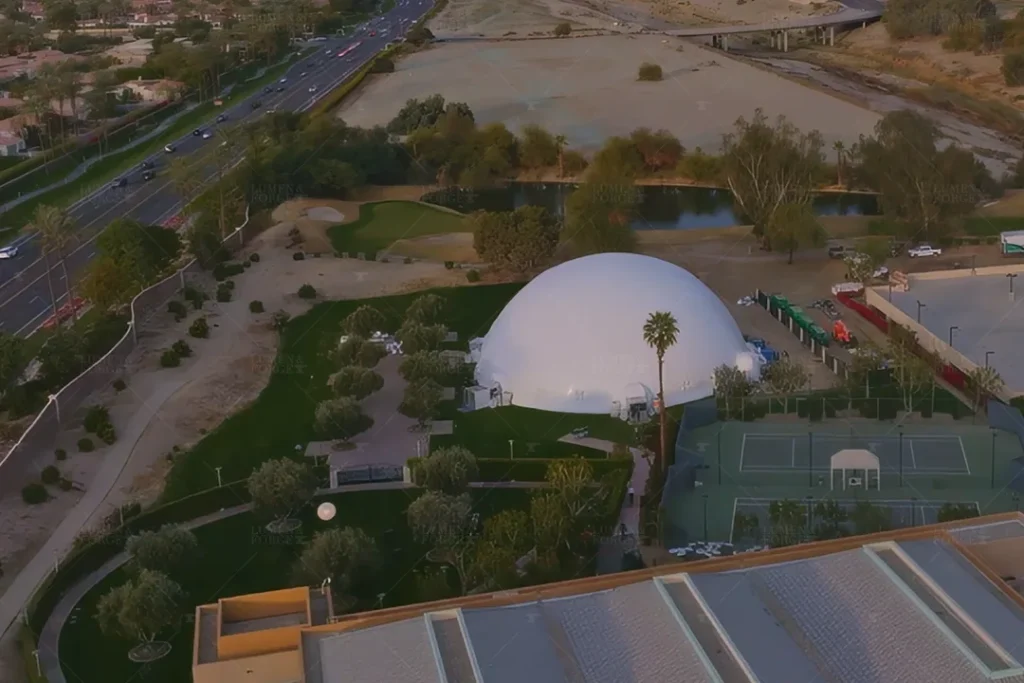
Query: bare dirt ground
point(586, 89)
point(456, 247)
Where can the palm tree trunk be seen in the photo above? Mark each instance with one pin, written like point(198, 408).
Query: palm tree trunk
point(49, 281)
point(67, 285)
point(659, 464)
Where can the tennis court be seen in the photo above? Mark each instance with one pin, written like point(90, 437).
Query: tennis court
point(922, 454)
point(902, 512)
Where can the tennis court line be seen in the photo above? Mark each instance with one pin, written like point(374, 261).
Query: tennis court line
point(732, 522)
point(743, 450)
point(913, 456)
point(963, 452)
point(889, 502)
point(792, 455)
point(829, 436)
point(908, 472)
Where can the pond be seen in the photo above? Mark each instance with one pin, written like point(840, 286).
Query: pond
point(659, 207)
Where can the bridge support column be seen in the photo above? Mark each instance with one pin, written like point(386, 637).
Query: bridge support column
point(832, 36)
point(771, 39)
point(785, 41)
point(725, 43)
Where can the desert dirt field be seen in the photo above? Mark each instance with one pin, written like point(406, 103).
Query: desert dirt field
point(586, 89)
point(495, 18)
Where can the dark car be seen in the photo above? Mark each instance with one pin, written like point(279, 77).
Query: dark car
point(280, 88)
point(119, 182)
point(222, 118)
point(268, 90)
point(146, 165)
point(197, 132)
point(311, 64)
point(149, 175)
point(256, 104)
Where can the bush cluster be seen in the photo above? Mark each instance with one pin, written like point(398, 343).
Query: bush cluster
point(195, 296)
point(307, 292)
point(256, 306)
point(222, 271)
point(200, 329)
point(177, 309)
point(224, 290)
point(97, 421)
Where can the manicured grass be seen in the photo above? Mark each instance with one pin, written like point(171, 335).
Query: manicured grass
point(985, 226)
point(534, 433)
point(281, 419)
point(380, 224)
point(239, 556)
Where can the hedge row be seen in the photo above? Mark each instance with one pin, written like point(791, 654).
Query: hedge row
point(532, 469)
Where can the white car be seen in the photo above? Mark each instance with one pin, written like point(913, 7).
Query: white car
point(312, 88)
point(8, 252)
point(923, 250)
point(207, 135)
point(283, 80)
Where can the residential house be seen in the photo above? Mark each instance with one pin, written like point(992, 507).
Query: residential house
point(28, 63)
point(156, 90)
point(11, 144)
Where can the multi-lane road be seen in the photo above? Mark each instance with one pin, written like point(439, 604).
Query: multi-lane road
point(24, 292)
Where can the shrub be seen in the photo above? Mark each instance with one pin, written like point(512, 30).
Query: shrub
point(85, 445)
point(196, 296)
point(95, 417)
point(222, 271)
point(449, 265)
point(35, 493)
point(254, 258)
point(65, 484)
point(1013, 68)
point(106, 433)
point(177, 309)
point(298, 256)
point(119, 385)
point(649, 72)
point(383, 65)
point(50, 474)
point(223, 293)
point(182, 348)
point(473, 275)
point(279, 320)
point(255, 306)
point(307, 292)
point(60, 454)
point(407, 260)
point(199, 328)
point(170, 359)
point(563, 29)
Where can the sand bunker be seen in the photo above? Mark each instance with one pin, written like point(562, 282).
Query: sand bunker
point(456, 246)
point(325, 213)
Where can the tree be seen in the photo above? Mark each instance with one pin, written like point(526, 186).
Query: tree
point(868, 359)
point(597, 217)
point(187, 180)
point(343, 556)
point(549, 519)
point(417, 114)
point(416, 337)
point(56, 231)
point(421, 401)
point(950, 512)
point(784, 377)
point(922, 187)
point(730, 383)
point(789, 522)
point(571, 480)
point(869, 519)
point(537, 148)
point(505, 539)
point(172, 550)
point(1013, 68)
point(649, 72)
point(356, 350)
point(986, 382)
point(829, 519)
point(660, 333)
point(745, 526)
point(840, 148)
point(562, 29)
point(356, 381)
point(278, 489)
point(518, 240)
point(340, 418)
point(62, 358)
point(871, 254)
point(141, 609)
point(449, 470)
point(424, 365)
point(909, 371)
point(659, 150)
point(618, 159)
point(447, 524)
point(767, 166)
point(363, 321)
point(560, 143)
point(426, 309)
point(109, 283)
point(12, 360)
point(792, 227)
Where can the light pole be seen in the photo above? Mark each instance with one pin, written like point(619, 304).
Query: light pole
point(919, 307)
point(1011, 277)
point(810, 516)
point(705, 496)
point(992, 463)
point(987, 354)
point(952, 329)
point(901, 456)
point(219, 484)
point(511, 451)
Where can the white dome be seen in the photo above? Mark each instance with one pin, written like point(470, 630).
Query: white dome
point(572, 340)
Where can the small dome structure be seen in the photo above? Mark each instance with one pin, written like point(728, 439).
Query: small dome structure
point(572, 340)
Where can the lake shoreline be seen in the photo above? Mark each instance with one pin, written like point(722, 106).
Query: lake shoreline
point(527, 177)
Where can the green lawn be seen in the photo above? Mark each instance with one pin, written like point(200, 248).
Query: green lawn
point(380, 224)
point(534, 433)
point(240, 557)
point(282, 417)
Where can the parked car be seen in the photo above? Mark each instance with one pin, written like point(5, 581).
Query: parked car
point(837, 251)
point(283, 80)
point(149, 175)
point(119, 182)
point(8, 252)
point(169, 149)
point(923, 250)
point(302, 75)
point(222, 118)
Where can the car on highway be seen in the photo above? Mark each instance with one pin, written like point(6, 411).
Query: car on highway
point(373, 34)
point(207, 135)
point(197, 132)
point(923, 250)
point(149, 175)
point(283, 80)
point(302, 75)
point(169, 149)
point(8, 252)
point(312, 88)
point(310, 64)
point(280, 88)
point(146, 165)
point(256, 104)
point(119, 182)
point(268, 90)
point(222, 118)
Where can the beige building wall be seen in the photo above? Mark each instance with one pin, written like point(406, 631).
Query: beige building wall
point(278, 667)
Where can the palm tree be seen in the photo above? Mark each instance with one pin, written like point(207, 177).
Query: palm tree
point(560, 141)
point(839, 147)
point(56, 230)
point(660, 332)
point(186, 181)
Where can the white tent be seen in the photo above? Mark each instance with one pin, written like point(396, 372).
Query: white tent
point(857, 460)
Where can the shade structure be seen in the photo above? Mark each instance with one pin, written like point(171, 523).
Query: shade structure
point(572, 340)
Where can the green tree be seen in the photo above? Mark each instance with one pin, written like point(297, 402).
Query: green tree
point(785, 377)
point(363, 321)
point(572, 482)
point(505, 539)
point(829, 520)
point(789, 522)
point(869, 519)
point(538, 149)
point(56, 230)
point(172, 550)
point(909, 371)
point(424, 365)
point(731, 383)
point(768, 166)
point(416, 337)
point(792, 227)
point(421, 401)
point(140, 610)
point(345, 556)
point(950, 512)
point(356, 381)
point(448, 469)
point(985, 381)
point(660, 150)
point(12, 360)
point(519, 240)
point(597, 217)
point(649, 72)
point(618, 159)
point(426, 309)
point(446, 523)
point(279, 488)
point(746, 527)
point(661, 331)
point(62, 358)
point(340, 418)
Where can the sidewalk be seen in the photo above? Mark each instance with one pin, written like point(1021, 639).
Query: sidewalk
point(630, 514)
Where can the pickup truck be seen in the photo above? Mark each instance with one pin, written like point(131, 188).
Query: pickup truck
point(923, 250)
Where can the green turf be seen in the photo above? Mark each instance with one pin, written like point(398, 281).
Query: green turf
point(282, 417)
point(240, 557)
point(534, 433)
point(381, 224)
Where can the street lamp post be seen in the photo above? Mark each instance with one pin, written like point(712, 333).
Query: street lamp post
point(901, 456)
point(992, 462)
point(1011, 277)
point(511, 450)
point(810, 515)
point(987, 354)
point(705, 496)
point(919, 307)
point(952, 329)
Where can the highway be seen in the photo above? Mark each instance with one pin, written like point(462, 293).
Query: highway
point(24, 293)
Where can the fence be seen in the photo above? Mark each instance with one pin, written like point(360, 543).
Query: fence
point(815, 346)
point(365, 474)
point(32, 452)
point(682, 476)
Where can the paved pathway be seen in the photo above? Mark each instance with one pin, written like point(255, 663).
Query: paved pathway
point(630, 513)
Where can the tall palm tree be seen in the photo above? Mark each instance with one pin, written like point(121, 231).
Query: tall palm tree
point(660, 333)
point(56, 230)
point(839, 147)
point(560, 141)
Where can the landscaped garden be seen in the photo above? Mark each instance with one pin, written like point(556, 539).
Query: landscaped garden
point(380, 224)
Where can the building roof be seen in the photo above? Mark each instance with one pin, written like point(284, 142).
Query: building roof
point(572, 340)
point(913, 605)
